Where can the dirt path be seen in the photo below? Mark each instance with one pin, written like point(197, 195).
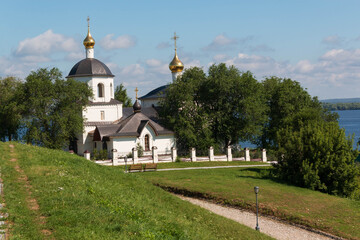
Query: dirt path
point(32, 203)
point(271, 227)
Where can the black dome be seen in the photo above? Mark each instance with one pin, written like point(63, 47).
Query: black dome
point(90, 67)
point(137, 106)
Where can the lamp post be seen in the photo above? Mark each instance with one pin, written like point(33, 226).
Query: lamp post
point(125, 159)
point(256, 190)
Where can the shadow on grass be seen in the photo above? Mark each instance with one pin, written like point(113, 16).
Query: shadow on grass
point(261, 173)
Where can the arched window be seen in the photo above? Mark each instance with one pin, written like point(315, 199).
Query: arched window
point(100, 90)
point(147, 143)
point(111, 90)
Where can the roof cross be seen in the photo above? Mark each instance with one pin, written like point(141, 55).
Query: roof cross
point(136, 91)
point(175, 38)
point(88, 20)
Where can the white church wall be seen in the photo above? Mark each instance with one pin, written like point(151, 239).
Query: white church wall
point(110, 113)
point(85, 142)
point(149, 102)
point(124, 145)
point(147, 131)
point(108, 93)
point(164, 144)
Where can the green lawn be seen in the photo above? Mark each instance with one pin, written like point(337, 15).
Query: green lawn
point(235, 186)
point(81, 200)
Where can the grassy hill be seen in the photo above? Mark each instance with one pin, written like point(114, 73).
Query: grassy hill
point(54, 195)
point(336, 215)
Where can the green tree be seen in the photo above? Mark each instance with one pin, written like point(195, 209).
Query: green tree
point(219, 109)
point(288, 103)
point(10, 110)
point(319, 156)
point(52, 108)
point(121, 95)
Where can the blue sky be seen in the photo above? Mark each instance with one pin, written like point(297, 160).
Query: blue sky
point(314, 42)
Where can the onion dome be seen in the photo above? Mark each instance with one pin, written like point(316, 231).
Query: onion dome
point(89, 41)
point(137, 106)
point(176, 65)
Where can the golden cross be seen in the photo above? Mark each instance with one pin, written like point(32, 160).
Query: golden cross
point(174, 38)
point(136, 90)
point(88, 20)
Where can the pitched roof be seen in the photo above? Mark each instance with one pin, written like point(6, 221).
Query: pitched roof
point(156, 93)
point(133, 125)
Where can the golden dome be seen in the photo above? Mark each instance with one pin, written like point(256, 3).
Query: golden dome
point(176, 65)
point(89, 42)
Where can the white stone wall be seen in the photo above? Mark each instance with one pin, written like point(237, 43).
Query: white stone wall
point(111, 113)
point(164, 144)
point(149, 102)
point(93, 82)
point(124, 145)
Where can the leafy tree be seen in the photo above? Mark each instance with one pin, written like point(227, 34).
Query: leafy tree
point(10, 111)
point(121, 95)
point(288, 103)
point(219, 109)
point(318, 156)
point(182, 112)
point(52, 108)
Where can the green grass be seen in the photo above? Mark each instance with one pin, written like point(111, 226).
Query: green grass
point(235, 186)
point(202, 164)
point(82, 200)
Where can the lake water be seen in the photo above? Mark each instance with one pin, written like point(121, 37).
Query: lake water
point(350, 121)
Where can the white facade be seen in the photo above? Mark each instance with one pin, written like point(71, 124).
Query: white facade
point(150, 102)
point(103, 113)
point(102, 87)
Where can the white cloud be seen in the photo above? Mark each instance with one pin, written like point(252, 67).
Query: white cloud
point(44, 44)
point(333, 40)
point(124, 41)
point(220, 42)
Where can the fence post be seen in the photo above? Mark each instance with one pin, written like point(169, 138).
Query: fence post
point(87, 155)
point(173, 154)
point(247, 154)
point(229, 154)
point(155, 154)
point(193, 154)
point(114, 157)
point(135, 155)
point(263, 155)
point(211, 154)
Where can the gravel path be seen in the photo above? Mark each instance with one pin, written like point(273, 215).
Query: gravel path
point(268, 226)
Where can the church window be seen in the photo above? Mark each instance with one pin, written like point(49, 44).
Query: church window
point(147, 143)
point(100, 90)
point(111, 89)
point(102, 115)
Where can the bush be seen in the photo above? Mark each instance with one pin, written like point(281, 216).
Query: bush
point(318, 156)
point(100, 155)
point(140, 150)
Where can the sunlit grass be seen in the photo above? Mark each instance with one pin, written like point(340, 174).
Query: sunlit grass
point(82, 200)
point(235, 186)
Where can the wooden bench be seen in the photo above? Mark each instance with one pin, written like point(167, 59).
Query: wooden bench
point(150, 166)
point(135, 167)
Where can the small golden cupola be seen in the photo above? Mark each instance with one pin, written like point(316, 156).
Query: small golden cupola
point(89, 41)
point(176, 66)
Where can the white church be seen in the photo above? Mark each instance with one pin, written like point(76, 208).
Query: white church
point(107, 124)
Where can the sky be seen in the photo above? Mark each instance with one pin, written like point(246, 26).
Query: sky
point(316, 43)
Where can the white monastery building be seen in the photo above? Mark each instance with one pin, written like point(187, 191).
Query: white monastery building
point(107, 125)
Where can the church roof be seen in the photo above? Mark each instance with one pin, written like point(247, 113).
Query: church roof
point(133, 125)
point(112, 102)
point(90, 67)
point(156, 93)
